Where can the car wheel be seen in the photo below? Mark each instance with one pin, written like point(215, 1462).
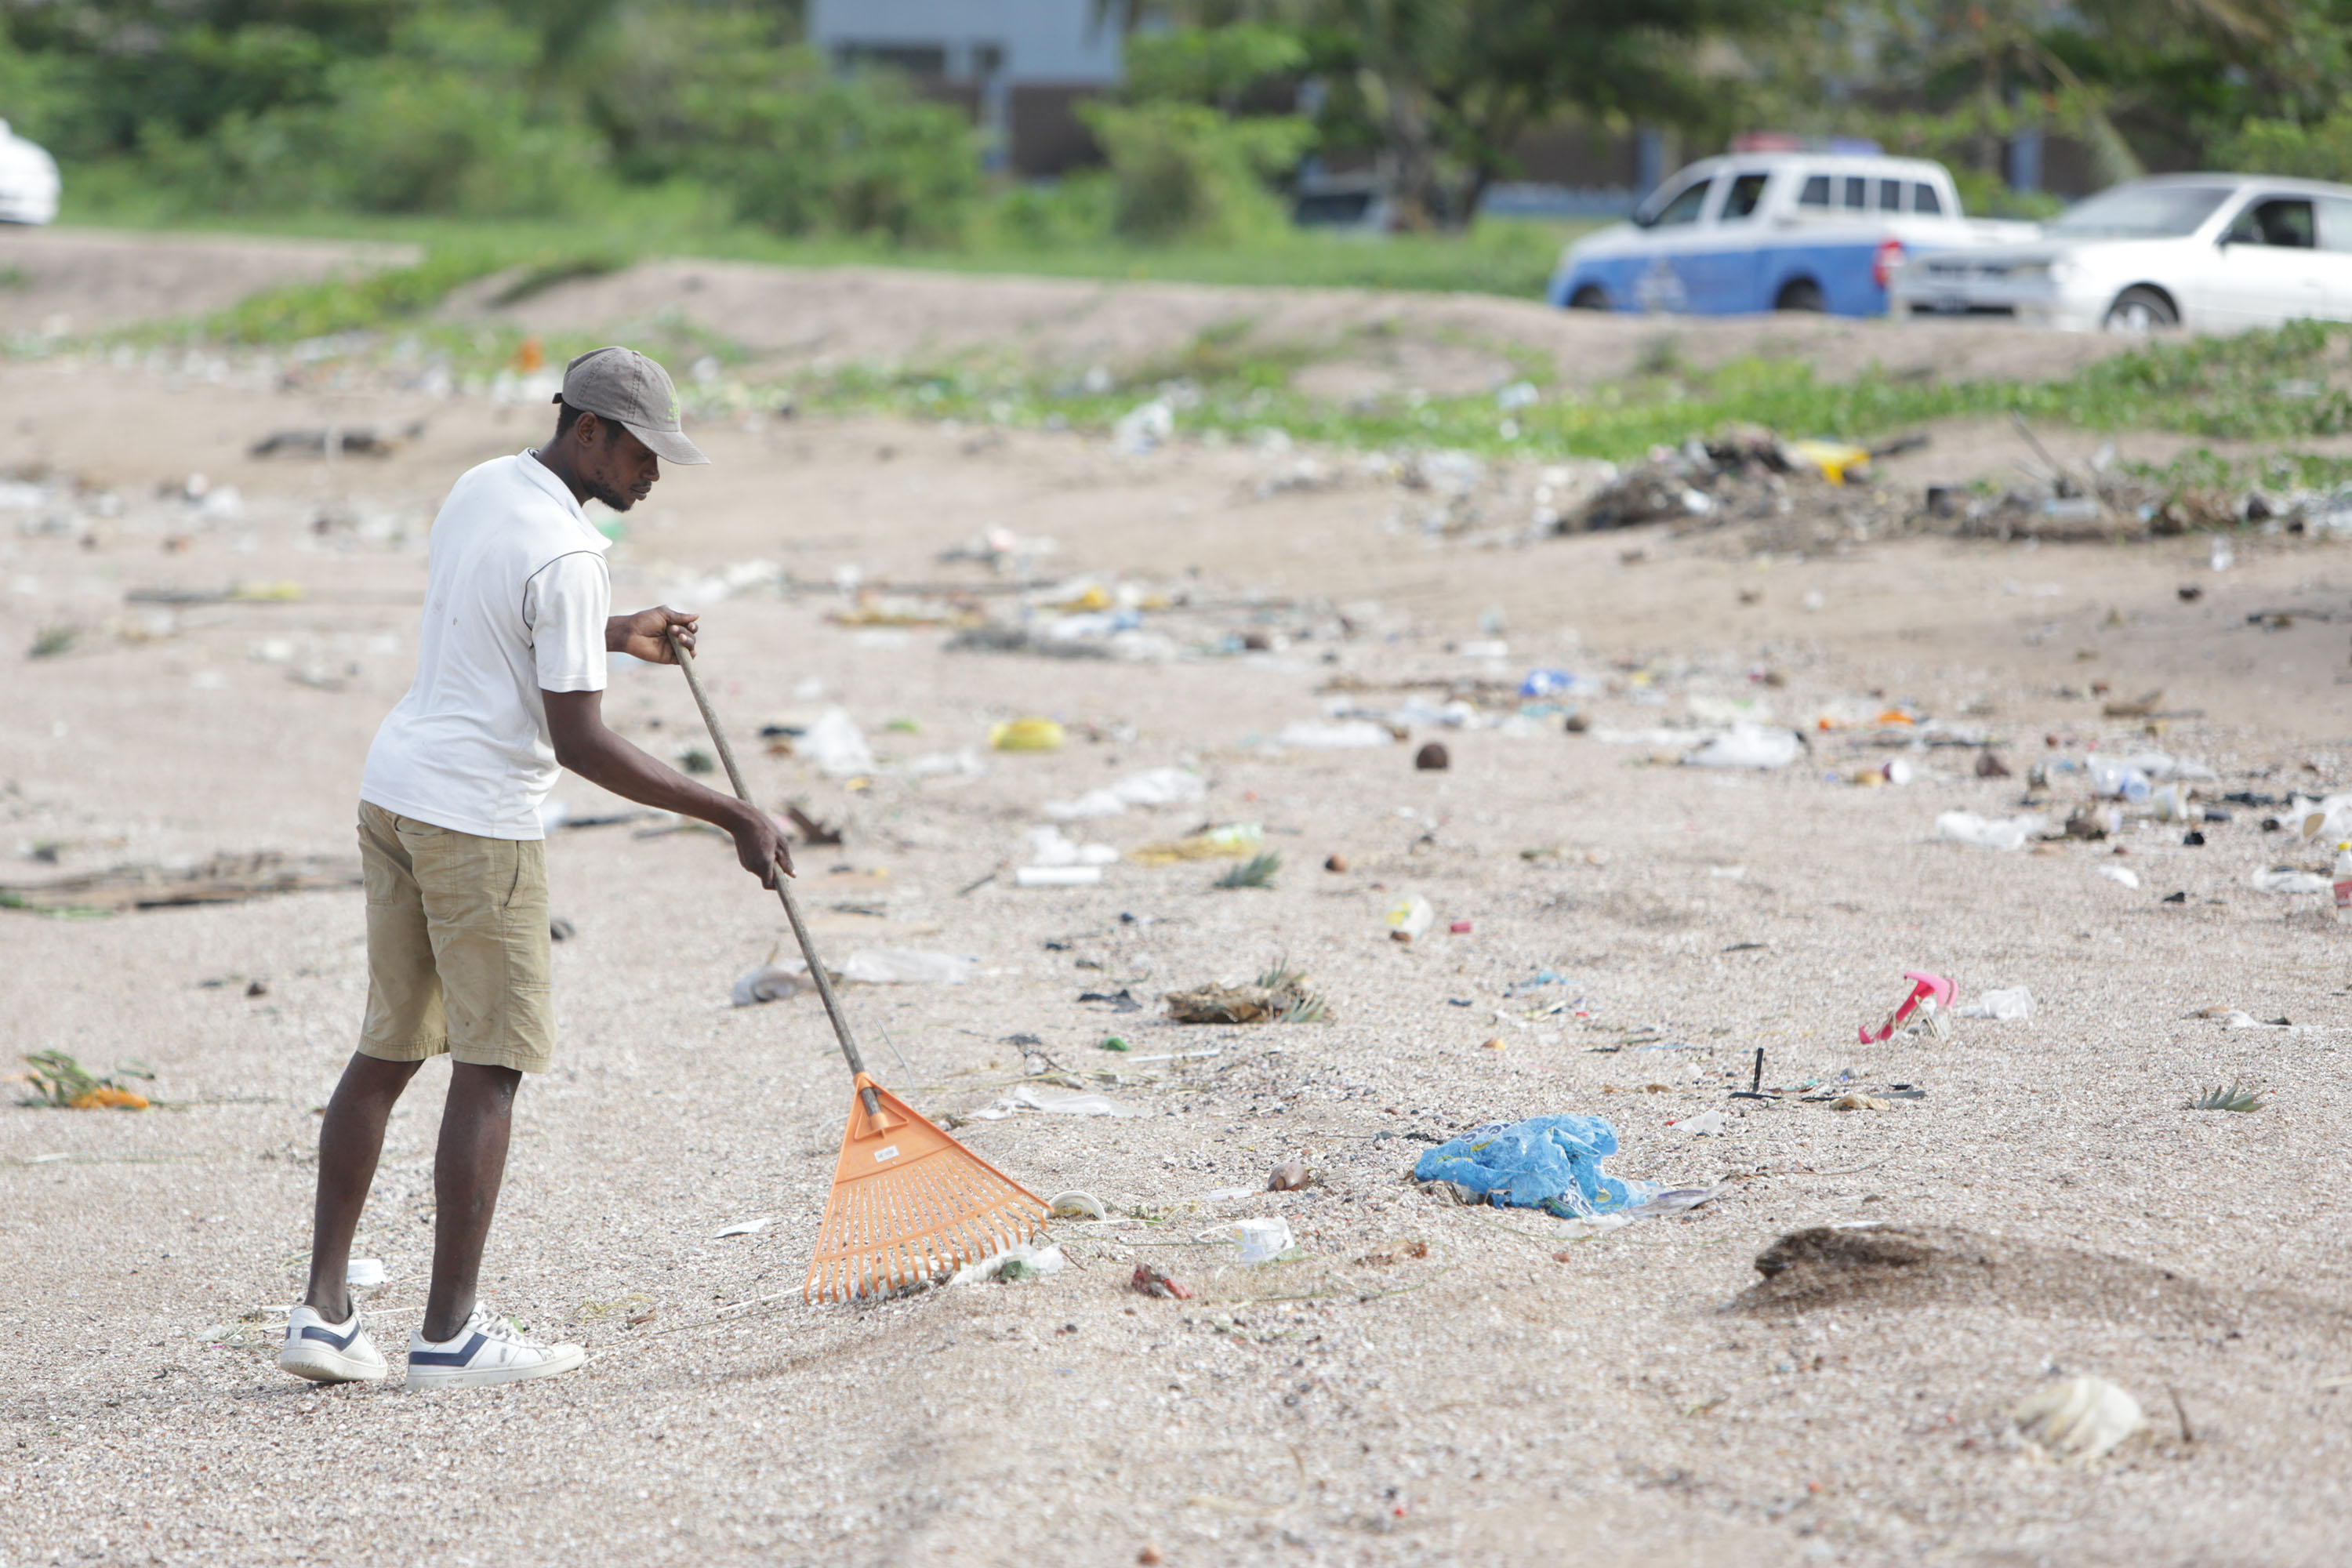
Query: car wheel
point(1803, 294)
point(2141, 311)
point(1589, 298)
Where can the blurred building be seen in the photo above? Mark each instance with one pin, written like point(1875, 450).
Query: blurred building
point(1019, 67)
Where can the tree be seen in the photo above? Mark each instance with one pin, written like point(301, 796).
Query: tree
point(1443, 90)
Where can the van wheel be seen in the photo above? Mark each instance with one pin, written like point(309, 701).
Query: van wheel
point(2139, 310)
point(1589, 298)
point(1803, 294)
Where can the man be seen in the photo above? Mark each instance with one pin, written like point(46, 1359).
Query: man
point(510, 661)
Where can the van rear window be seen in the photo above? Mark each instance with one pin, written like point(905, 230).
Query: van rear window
point(1924, 200)
point(1816, 193)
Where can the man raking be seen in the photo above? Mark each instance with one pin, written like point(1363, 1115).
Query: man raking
point(510, 661)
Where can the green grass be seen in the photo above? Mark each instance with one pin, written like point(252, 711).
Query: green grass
point(1498, 256)
point(2255, 387)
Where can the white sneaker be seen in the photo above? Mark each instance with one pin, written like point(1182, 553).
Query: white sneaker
point(330, 1353)
point(489, 1349)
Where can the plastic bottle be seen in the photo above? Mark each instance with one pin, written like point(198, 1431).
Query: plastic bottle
point(2118, 781)
point(2344, 874)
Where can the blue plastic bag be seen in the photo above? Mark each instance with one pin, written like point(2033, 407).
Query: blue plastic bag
point(1550, 1163)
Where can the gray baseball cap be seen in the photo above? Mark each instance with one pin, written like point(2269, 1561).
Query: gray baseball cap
point(622, 385)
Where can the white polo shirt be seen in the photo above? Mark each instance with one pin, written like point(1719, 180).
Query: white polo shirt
point(516, 598)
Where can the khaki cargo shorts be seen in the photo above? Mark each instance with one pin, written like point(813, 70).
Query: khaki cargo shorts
point(458, 945)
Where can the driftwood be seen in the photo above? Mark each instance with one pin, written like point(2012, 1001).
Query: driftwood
point(223, 879)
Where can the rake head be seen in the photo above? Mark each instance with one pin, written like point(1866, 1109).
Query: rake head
point(909, 1202)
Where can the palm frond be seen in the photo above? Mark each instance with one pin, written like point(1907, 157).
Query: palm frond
point(1257, 871)
point(2229, 1096)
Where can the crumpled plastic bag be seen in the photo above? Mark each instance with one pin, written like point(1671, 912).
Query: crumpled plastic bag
point(1026, 1097)
point(1550, 1163)
point(1747, 745)
point(1153, 786)
point(2287, 880)
point(782, 981)
point(2006, 1005)
point(835, 745)
point(1990, 832)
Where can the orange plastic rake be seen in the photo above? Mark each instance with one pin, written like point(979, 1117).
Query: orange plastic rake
point(909, 1202)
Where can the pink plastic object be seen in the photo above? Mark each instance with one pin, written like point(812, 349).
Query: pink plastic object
point(1933, 988)
point(1460, 928)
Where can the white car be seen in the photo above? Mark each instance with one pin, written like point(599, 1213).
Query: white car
point(2207, 252)
point(28, 180)
point(1773, 230)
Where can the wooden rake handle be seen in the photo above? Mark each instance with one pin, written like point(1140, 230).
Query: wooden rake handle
point(783, 883)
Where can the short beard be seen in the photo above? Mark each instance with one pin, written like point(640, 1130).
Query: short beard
point(618, 499)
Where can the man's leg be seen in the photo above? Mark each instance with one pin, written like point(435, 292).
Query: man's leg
point(468, 1168)
point(349, 1141)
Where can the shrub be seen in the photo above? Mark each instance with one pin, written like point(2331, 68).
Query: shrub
point(436, 125)
point(795, 147)
point(1186, 171)
point(855, 156)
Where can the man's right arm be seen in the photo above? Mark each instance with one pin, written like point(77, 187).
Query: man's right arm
point(575, 722)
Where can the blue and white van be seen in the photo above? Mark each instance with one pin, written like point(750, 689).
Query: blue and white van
point(1774, 231)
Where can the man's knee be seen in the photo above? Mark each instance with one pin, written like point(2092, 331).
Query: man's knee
point(496, 1085)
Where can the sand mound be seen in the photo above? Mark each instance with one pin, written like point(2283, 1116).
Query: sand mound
point(1893, 1267)
point(1361, 341)
point(86, 281)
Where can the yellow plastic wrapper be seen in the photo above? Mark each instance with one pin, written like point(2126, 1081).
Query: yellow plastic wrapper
point(1237, 841)
point(1835, 460)
point(1027, 735)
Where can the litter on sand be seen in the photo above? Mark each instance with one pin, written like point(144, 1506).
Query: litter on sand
point(1280, 996)
point(1345, 734)
point(1990, 832)
point(1152, 787)
point(1550, 1163)
point(1234, 841)
point(1748, 745)
point(1031, 734)
point(1260, 1240)
point(1706, 1124)
point(1057, 876)
point(1150, 1279)
point(1027, 1260)
point(744, 1227)
point(1029, 1096)
point(365, 1273)
point(1930, 1002)
point(1049, 846)
point(768, 983)
point(2077, 1419)
point(1409, 918)
point(60, 1081)
point(781, 981)
point(2287, 880)
point(834, 746)
point(2006, 1006)
point(2125, 875)
point(1075, 1205)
